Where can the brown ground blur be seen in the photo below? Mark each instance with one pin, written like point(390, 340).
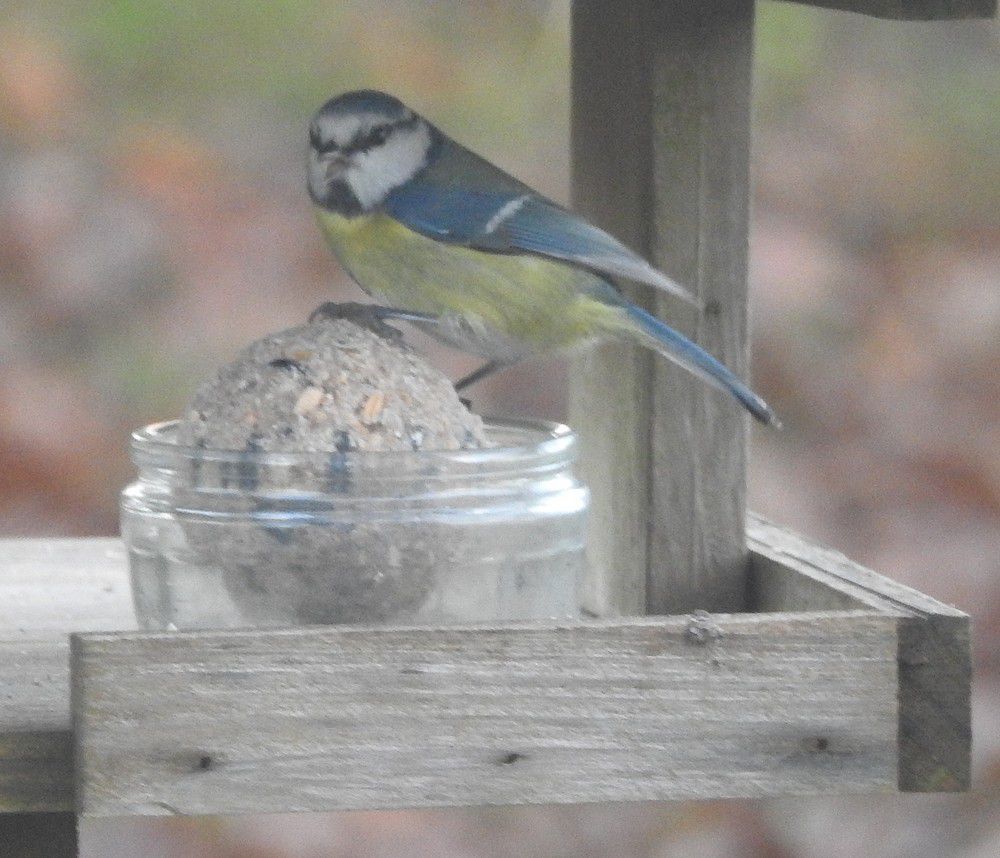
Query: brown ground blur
point(153, 219)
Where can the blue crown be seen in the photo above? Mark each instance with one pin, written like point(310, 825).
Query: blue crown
point(364, 101)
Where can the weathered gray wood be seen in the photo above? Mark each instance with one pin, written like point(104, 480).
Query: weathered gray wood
point(935, 673)
point(38, 835)
point(36, 769)
point(49, 588)
point(701, 90)
point(661, 101)
point(791, 573)
point(326, 718)
point(914, 10)
point(935, 691)
point(610, 398)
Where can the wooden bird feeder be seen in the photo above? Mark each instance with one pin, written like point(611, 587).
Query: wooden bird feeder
point(727, 657)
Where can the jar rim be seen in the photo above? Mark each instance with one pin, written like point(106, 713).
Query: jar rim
point(543, 441)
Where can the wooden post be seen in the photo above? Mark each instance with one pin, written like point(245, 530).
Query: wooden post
point(661, 121)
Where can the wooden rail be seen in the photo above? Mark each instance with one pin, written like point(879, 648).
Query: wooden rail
point(798, 696)
point(337, 719)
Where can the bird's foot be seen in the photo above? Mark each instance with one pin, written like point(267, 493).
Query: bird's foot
point(370, 316)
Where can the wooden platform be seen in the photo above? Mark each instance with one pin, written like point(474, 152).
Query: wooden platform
point(840, 680)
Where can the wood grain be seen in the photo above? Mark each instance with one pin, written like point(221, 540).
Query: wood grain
point(702, 60)
point(320, 719)
point(610, 397)
point(792, 573)
point(49, 588)
point(912, 10)
point(935, 658)
point(661, 101)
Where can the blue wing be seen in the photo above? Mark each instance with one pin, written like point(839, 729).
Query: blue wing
point(477, 205)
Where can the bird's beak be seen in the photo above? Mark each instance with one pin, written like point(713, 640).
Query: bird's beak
point(336, 164)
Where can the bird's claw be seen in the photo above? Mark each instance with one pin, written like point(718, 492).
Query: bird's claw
point(370, 316)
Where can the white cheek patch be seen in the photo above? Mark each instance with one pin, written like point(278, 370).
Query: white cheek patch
point(373, 174)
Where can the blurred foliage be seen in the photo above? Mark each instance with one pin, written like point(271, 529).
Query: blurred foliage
point(248, 74)
point(789, 52)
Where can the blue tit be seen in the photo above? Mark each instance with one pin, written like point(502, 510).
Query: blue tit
point(475, 256)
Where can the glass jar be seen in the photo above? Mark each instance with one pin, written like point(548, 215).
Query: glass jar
point(221, 538)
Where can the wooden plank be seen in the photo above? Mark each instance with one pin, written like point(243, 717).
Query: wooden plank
point(38, 835)
point(912, 10)
point(661, 101)
point(792, 573)
point(36, 769)
point(338, 718)
point(702, 74)
point(610, 399)
point(49, 588)
point(935, 658)
point(935, 703)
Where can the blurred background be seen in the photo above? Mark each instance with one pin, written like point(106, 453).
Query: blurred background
point(153, 220)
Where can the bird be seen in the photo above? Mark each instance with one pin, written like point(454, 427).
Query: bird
point(439, 236)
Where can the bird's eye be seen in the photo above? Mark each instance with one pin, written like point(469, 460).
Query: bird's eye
point(377, 136)
point(317, 143)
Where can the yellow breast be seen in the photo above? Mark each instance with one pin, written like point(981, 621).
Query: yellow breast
point(542, 302)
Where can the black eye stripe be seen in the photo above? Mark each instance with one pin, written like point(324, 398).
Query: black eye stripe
point(373, 137)
point(363, 142)
point(317, 142)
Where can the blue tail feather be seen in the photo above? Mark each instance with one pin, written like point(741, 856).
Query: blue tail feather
point(695, 359)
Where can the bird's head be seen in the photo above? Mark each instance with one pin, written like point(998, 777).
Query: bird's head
point(362, 145)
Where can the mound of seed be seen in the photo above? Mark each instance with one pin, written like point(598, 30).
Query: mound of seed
point(333, 389)
point(329, 386)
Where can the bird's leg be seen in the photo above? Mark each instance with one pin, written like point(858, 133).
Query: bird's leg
point(370, 316)
point(488, 368)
